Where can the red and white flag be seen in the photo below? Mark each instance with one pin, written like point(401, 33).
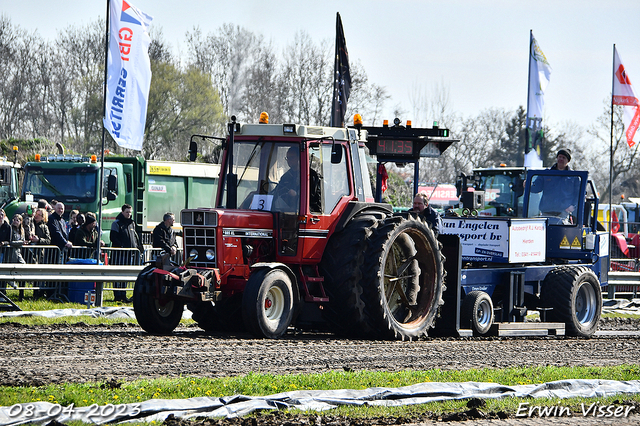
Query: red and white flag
point(128, 74)
point(623, 95)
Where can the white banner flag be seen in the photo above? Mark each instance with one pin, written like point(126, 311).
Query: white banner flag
point(129, 74)
point(623, 95)
point(539, 76)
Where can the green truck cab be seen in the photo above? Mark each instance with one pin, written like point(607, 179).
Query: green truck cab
point(152, 188)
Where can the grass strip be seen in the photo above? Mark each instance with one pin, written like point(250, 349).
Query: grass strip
point(257, 384)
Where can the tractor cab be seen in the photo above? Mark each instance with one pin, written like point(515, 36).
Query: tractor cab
point(493, 191)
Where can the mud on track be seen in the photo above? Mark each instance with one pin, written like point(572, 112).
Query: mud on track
point(32, 356)
point(80, 353)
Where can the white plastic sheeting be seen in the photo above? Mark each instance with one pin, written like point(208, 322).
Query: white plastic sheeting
point(621, 306)
point(102, 312)
point(310, 400)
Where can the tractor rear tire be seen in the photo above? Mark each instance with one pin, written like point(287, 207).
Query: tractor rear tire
point(154, 316)
point(268, 303)
point(575, 295)
point(341, 269)
point(477, 313)
point(403, 278)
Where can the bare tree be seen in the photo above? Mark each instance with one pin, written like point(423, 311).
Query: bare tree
point(16, 67)
point(625, 160)
point(306, 79)
point(227, 57)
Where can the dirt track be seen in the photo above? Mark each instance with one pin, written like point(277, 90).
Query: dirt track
point(55, 354)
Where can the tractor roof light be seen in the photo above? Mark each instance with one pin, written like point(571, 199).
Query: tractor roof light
point(357, 120)
point(38, 158)
point(94, 158)
point(289, 128)
point(264, 117)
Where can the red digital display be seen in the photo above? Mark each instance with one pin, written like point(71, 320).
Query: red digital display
point(394, 147)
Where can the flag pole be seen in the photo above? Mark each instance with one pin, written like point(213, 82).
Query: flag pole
point(100, 190)
point(336, 75)
point(527, 131)
point(613, 76)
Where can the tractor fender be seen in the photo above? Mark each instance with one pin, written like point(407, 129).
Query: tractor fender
point(355, 208)
point(286, 269)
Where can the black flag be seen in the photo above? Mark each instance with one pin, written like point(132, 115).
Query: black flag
point(342, 78)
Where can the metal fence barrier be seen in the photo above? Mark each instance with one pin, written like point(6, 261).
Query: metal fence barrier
point(22, 267)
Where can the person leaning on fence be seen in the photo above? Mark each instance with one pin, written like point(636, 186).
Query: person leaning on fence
point(42, 236)
point(28, 223)
point(123, 234)
point(17, 239)
point(88, 235)
point(72, 222)
point(74, 229)
point(163, 235)
point(5, 236)
point(58, 228)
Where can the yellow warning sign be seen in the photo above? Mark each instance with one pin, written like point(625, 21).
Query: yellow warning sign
point(564, 244)
point(575, 245)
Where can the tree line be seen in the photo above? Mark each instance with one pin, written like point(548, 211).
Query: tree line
point(52, 92)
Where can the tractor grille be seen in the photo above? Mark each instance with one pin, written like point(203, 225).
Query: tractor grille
point(202, 242)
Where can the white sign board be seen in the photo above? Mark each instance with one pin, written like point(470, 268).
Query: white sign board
point(527, 241)
point(499, 240)
point(482, 240)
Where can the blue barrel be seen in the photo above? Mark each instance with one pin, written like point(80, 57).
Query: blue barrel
point(77, 290)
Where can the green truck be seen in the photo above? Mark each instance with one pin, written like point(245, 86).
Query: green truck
point(151, 187)
point(9, 181)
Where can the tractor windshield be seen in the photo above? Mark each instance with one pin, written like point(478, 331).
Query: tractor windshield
point(503, 193)
point(556, 197)
point(268, 176)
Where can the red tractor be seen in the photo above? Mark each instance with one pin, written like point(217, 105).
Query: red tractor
point(296, 240)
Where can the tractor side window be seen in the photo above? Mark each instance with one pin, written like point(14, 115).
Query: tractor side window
point(335, 179)
point(315, 180)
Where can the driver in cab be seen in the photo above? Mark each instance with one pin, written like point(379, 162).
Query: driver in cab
point(559, 194)
point(288, 189)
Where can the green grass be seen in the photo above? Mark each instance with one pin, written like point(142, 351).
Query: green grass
point(256, 384)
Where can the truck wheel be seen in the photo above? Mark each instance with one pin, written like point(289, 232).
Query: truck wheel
point(154, 316)
point(576, 298)
point(267, 303)
point(477, 312)
point(341, 268)
point(402, 292)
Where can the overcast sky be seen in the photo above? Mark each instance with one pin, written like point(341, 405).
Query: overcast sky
point(478, 50)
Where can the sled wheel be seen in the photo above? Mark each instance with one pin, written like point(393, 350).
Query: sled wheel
point(477, 312)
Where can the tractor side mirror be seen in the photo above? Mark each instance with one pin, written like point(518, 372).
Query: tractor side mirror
point(193, 150)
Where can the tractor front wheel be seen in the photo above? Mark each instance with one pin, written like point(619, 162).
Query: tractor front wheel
point(267, 303)
point(155, 316)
